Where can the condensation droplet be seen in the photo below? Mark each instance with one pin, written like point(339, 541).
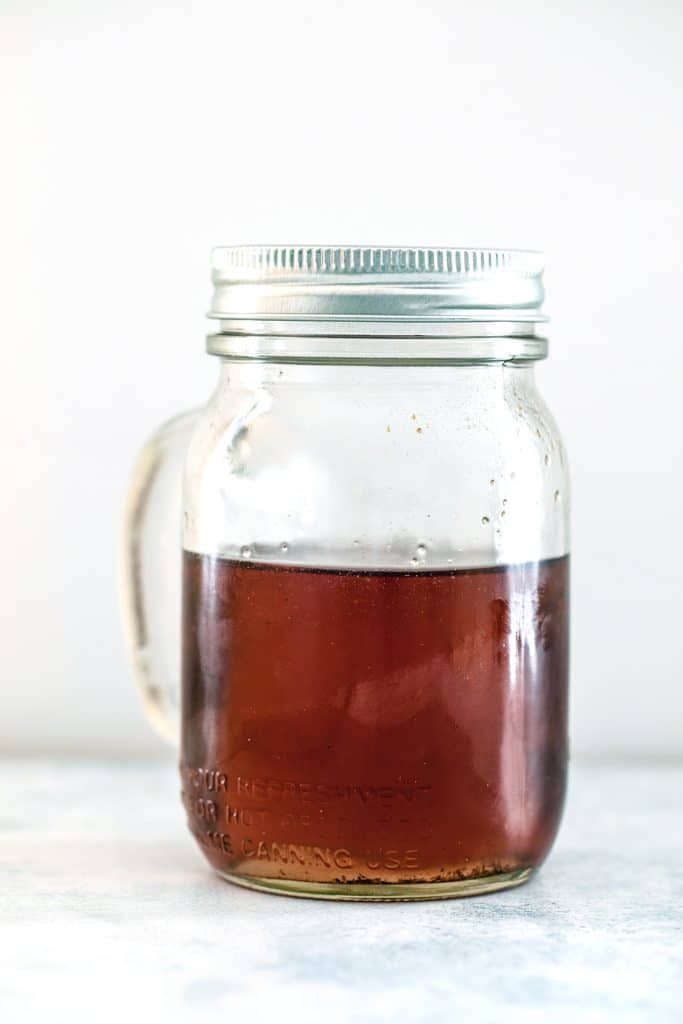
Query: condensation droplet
point(356, 543)
point(491, 482)
point(245, 551)
point(505, 501)
point(485, 520)
point(388, 429)
point(449, 561)
point(421, 551)
point(413, 561)
point(502, 514)
point(557, 495)
point(512, 476)
point(284, 546)
point(547, 459)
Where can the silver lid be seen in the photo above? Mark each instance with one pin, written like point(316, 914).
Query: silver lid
point(356, 292)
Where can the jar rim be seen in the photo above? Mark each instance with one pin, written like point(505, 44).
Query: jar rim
point(520, 345)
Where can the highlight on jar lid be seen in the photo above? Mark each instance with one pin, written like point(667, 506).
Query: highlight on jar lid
point(354, 285)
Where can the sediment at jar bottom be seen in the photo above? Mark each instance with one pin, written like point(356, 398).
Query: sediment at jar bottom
point(382, 892)
point(350, 728)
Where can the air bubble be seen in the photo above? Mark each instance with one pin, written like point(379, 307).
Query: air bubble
point(284, 546)
point(485, 520)
point(245, 551)
point(491, 482)
point(547, 459)
point(557, 495)
point(420, 555)
point(505, 501)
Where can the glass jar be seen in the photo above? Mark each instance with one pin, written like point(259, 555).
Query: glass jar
point(375, 576)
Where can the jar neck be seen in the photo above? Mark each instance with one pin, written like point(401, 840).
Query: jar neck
point(483, 341)
point(457, 379)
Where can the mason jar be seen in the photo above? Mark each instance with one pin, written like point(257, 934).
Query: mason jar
point(375, 539)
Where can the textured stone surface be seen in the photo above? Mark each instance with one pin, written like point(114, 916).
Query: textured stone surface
point(107, 909)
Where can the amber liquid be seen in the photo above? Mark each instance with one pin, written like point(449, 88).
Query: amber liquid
point(385, 727)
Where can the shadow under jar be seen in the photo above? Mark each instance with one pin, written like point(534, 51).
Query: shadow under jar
point(375, 577)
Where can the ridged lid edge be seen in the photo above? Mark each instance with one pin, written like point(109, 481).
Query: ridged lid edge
point(287, 260)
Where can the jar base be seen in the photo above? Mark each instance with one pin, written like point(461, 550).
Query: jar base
point(383, 892)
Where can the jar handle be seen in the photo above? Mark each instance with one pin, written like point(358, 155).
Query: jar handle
point(150, 572)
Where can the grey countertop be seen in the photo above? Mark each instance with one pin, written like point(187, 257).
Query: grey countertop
point(107, 909)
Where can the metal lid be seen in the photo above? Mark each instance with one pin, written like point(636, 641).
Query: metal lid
point(360, 292)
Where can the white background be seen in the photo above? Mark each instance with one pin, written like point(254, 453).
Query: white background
point(136, 135)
